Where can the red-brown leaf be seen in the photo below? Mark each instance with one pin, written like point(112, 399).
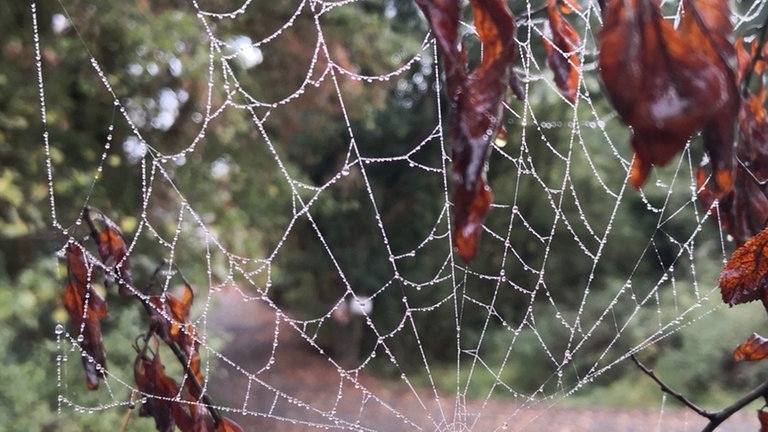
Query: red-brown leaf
point(471, 207)
point(762, 416)
point(112, 251)
point(744, 59)
point(744, 278)
point(561, 52)
point(743, 212)
point(151, 379)
point(170, 318)
point(228, 425)
point(86, 321)
point(76, 266)
point(755, 348)
point(476, 103)
point(668, 83)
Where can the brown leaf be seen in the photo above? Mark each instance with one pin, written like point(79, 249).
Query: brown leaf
point(743, 212)
point(471, 208)
point(668, 83)
point(561, 52)
point(744, 277)
point(151, 380)
point(170, 318)
point(762, 416)
point(744, 59)
point(228, 425)
point(475, 103)
point(86, 320)
point(76, 265)
point(112, 251)
point(755, 348)
point(85, 307)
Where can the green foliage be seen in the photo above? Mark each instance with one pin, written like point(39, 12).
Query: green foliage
point(250, 186)
point(39, 365)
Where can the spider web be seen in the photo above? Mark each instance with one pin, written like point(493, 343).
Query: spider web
point(551, 167)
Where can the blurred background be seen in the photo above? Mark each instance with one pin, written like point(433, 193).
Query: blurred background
point(203, 126)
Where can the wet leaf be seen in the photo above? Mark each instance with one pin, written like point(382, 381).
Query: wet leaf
point(77, 268)
point(151, 380)
point(476, 102)
point(744, 278)
point(170, 318)
point(755, 348)
point(112, 251)
point(562, 58)
point(743, 212)
point(85, 307)
point(85, 316)
point(471, 208)
point(668, 83)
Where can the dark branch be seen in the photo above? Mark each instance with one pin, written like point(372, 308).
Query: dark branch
point(722, 415)
point(715, 418)
point(667, 389)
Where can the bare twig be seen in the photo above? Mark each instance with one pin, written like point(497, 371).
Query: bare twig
point(715, 418)
point(667, 389)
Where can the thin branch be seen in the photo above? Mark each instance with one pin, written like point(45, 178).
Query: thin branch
point(722, 415)
point(667, 389)
point(715, 418)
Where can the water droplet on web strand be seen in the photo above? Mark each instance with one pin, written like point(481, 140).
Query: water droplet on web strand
point(59, 329)
point(345, 171)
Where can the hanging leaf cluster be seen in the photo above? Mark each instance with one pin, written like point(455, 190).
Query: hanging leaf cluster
point(476, 97)
point(743, 212)
point(667, 83)
point(170, 404)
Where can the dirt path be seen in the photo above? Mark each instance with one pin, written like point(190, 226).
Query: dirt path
point(289, 386)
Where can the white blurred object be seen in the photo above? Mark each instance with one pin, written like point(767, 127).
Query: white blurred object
point(360, 305)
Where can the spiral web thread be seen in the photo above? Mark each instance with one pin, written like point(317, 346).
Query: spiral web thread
point(546, 150)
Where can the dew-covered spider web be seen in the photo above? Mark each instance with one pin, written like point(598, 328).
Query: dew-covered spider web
point(292, 161)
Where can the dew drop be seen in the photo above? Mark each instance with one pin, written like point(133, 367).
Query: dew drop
point(345, 171)
point(59, 329)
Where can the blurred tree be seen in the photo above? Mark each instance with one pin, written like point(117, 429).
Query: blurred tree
point(251, 168)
